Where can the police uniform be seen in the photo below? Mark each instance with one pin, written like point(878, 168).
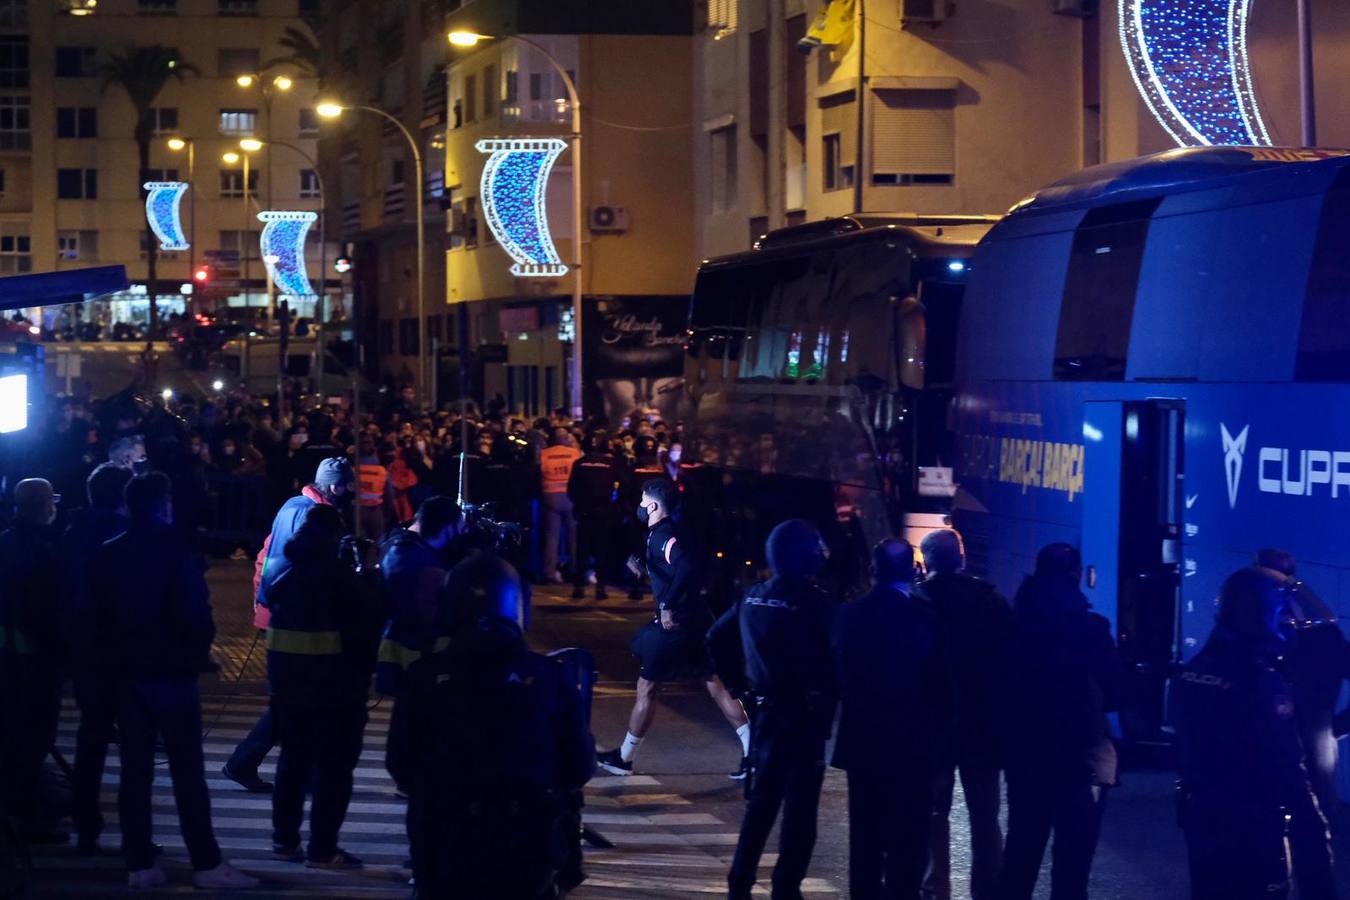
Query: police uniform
point(669, 654)
point(592, 489)
point(411, 573)
point(785, 626)
point(1241, 770)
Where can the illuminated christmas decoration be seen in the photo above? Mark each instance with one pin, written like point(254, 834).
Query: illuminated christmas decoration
point(1189, 61)
point(161, 211)
point(515, 178)
point(283, 250)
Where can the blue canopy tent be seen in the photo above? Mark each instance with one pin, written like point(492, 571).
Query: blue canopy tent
point(57, 288)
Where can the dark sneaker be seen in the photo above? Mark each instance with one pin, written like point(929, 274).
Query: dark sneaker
point(578, 594)
point(743, 772)
point(288, 854)
point(339, 860)
point(249, 781)
point(613, 763)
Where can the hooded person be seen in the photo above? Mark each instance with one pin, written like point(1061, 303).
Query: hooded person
point(782, 628)
point(1234, 714)
point(488, 740)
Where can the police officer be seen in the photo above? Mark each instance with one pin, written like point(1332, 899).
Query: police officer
point(1238, 748)
point(784, 626)
point(321, 645)
point(895, 705)
point(488, 740)
point(593, 489)
point(32, 650)
point(333, 485)
point(413, 567)
point(637, 473)
point(672, 646)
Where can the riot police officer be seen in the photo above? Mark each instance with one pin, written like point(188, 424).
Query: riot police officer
point(1239, 754)
point(593, 489)
point(489, 741)
point(784, 626)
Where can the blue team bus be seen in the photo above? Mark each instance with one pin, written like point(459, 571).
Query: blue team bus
point(819, 375)
point(1154, 365)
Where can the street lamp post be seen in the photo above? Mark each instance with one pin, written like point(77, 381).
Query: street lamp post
point(268, 88)
point(331, 110)
point(186, 143)
point(468, 39)
point(861, 134)
point(231, 157)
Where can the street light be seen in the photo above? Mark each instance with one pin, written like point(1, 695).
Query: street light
point(330, 109)
point(244, 81)
point(178, 144)
point(252, 145)
point(282, 83)
point(471, 39)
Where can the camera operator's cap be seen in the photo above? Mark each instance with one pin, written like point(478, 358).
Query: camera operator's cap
point(334, 470)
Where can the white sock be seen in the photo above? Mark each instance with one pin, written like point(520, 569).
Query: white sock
point(630, 747)
point(744, 734)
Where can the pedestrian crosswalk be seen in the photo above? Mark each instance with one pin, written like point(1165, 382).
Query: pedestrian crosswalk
point(664, 845)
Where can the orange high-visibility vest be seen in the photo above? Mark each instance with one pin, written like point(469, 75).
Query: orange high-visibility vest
point(370, 480)
point(555, 467)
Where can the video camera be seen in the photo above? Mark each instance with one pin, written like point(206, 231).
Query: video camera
point(498, 536)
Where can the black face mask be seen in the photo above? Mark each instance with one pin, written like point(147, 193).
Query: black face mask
point(643, 514)
point(141, 467)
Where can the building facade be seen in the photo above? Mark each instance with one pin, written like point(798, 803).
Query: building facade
point(70, 183)
point(631, 64)
point(968, 106)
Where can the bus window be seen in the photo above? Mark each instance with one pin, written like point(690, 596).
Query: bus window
point(1099, 291)
point(941, 320)
point(1324, 338)
point(792, 302)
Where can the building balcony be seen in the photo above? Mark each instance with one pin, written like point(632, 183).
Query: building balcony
point(395, 203)
point(351, 219)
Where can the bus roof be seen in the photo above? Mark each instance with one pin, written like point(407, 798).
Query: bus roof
point(945, 235)
point(1177, 171)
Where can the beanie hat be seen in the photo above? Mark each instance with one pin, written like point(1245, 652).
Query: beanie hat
point(794, 548)
point(332, 471)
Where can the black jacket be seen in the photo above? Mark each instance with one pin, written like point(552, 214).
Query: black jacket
point(31, 621)
point(1061, 678)
point(487, 710)
point(81, 541)
point(976, 624)
point(1238, 749)
point(672, 566)
point(151, 604)
point(782, 628)
point(593, 484)
point(894, 685)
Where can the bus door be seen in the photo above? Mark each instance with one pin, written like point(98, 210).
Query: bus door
point(1132, 527)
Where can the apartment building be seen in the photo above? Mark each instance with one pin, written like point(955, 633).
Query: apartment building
point(631, 64)
point(70, 193)
point(967, 106)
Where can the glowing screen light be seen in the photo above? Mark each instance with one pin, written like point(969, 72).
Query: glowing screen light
point(513, 186)
point(13, 403)
point(161, 210)
point(1189, 61)
point(283, 250)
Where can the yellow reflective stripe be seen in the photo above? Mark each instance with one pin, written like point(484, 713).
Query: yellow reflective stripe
point(391, 651)
point(13, 639)
point(304, 643)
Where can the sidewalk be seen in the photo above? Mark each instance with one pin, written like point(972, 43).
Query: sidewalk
point(231, 583)
point(558, 598)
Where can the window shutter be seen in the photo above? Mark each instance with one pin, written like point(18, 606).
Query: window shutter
point(914, 132)
point(838, 115)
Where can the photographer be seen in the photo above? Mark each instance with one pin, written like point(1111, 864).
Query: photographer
point(488, 740)
point(413, 567)
point(321, 648)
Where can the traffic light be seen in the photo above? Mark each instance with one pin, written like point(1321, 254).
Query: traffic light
point(202, 275)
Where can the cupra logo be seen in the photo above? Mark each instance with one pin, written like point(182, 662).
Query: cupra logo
point(1233, 448)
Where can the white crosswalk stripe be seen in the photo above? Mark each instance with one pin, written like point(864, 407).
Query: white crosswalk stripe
point(663, 846)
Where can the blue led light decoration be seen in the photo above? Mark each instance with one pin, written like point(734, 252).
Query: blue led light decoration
point(161, 211)
point(1189, 61)
point(283, 250)
point(515, 178)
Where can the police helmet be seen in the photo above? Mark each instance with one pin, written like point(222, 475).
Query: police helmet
point(483, 587)
point(795, 547)
point(1254, 605)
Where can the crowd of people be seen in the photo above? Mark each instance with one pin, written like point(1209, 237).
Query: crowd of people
point(370, 578)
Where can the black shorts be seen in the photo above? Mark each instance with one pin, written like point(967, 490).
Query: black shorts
point(672, 655)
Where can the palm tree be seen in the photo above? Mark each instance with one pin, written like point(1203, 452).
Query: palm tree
point(304, 50)
point(142, 72)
